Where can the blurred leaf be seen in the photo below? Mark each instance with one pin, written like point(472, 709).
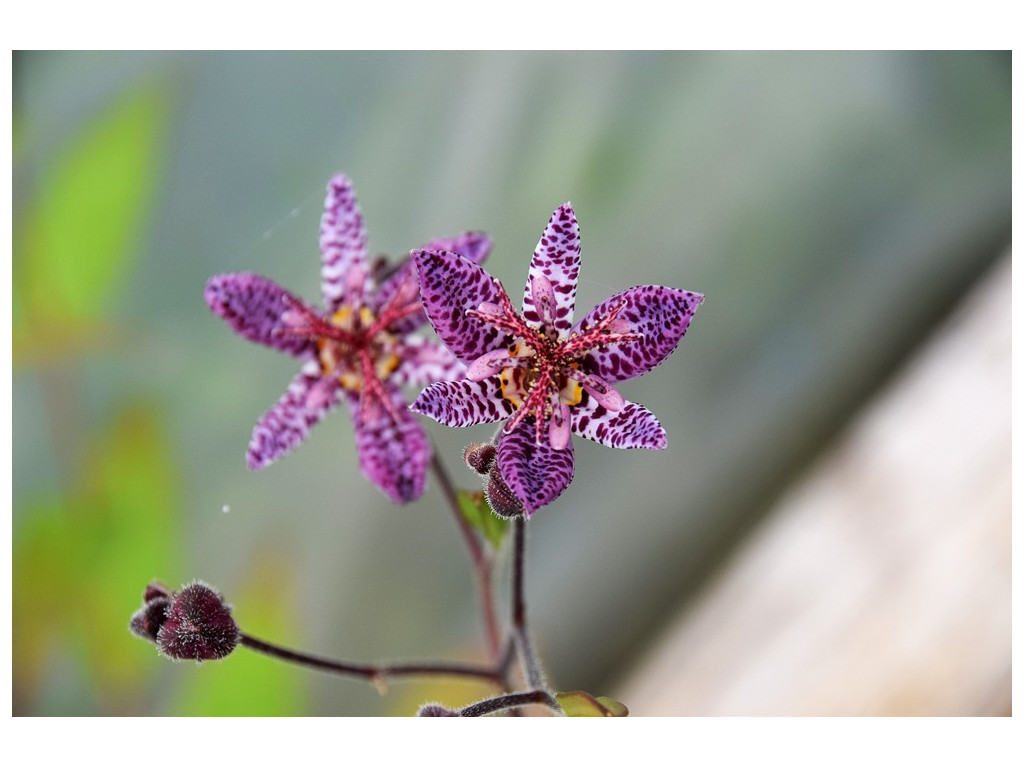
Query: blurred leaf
point(87, 214)
point(124, 537)
point(582, 704)
point(43, 595)
point(80, 564)
point(478, 514)
point(247, 683)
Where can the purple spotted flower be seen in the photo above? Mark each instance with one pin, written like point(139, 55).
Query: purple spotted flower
point(545, 375)
point(360, 348)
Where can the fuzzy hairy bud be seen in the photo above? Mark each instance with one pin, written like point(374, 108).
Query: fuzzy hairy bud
point(480, 457)
point(146, 621)
point(499, 496)
point(435, 710)
point(198, 625)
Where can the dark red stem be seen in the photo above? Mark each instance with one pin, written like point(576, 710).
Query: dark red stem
point(372, 672)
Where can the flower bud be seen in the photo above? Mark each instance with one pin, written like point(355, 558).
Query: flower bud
point(154, 590)
point(146, 621)
point(499, 496)
point(198, 625)
point(435, 710)
point(479, 457)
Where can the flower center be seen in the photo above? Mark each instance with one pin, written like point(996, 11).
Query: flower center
point(355, 349)
point(542, 375)
point(517, 384)
point(341, 354)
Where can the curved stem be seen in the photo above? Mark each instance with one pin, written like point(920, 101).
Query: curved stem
point(530, 662)
point(510, 701)
point(377, 674)
point(481, 563)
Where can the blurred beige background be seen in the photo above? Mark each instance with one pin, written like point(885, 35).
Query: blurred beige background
point(880, 583)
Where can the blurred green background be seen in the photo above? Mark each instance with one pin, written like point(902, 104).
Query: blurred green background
point(832, 207)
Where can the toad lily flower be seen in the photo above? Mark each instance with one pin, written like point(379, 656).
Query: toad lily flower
point(360, 348)
point(543, 374)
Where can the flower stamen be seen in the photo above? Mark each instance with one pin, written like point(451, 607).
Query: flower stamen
point(540, 375)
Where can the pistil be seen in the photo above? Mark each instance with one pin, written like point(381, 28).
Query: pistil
point(541, 375)
point(360, 348)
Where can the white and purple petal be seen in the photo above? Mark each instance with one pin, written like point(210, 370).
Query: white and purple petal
point(402, 286)
point(463, 403)
point(307, 400)
point(393, 455)
point(253, 306)
point(661, 314)
point(343, 268)
point(450, 285)
point(425, 361)
point(556, 261)
point(399, 287)
point(536, 473)
point(632, 426)
point(475, 246)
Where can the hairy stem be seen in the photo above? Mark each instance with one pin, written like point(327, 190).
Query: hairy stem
point(375, 673)
point(510, 701)
point(481, 562)
point(531, 664)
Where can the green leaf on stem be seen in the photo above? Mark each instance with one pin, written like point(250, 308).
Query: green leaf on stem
point(582, 704)
point(477, 513)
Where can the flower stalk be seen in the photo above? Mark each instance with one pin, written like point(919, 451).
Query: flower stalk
point(509, 702)
point(378, 674)
point(527, 657)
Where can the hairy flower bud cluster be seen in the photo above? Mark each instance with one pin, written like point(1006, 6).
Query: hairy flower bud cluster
point(194, 623)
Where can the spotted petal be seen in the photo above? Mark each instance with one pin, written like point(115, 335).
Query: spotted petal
point(661, 314)
point(475, 246)
point(462, 403)
point(343, 267)
point(633, 426)
point(536, 474)
point(555, 262)
point(424, 361)
point(402, 286)
point(253, 305)
point(450, 285)
point(307, 400)
point(393, 455)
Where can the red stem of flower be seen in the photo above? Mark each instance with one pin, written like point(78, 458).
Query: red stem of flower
point(510, 321)
point(598, 335)
point(373, 390)
point(390, 314)
point(317, 327)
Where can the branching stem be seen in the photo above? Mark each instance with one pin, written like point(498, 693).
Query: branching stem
point(510, 701)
